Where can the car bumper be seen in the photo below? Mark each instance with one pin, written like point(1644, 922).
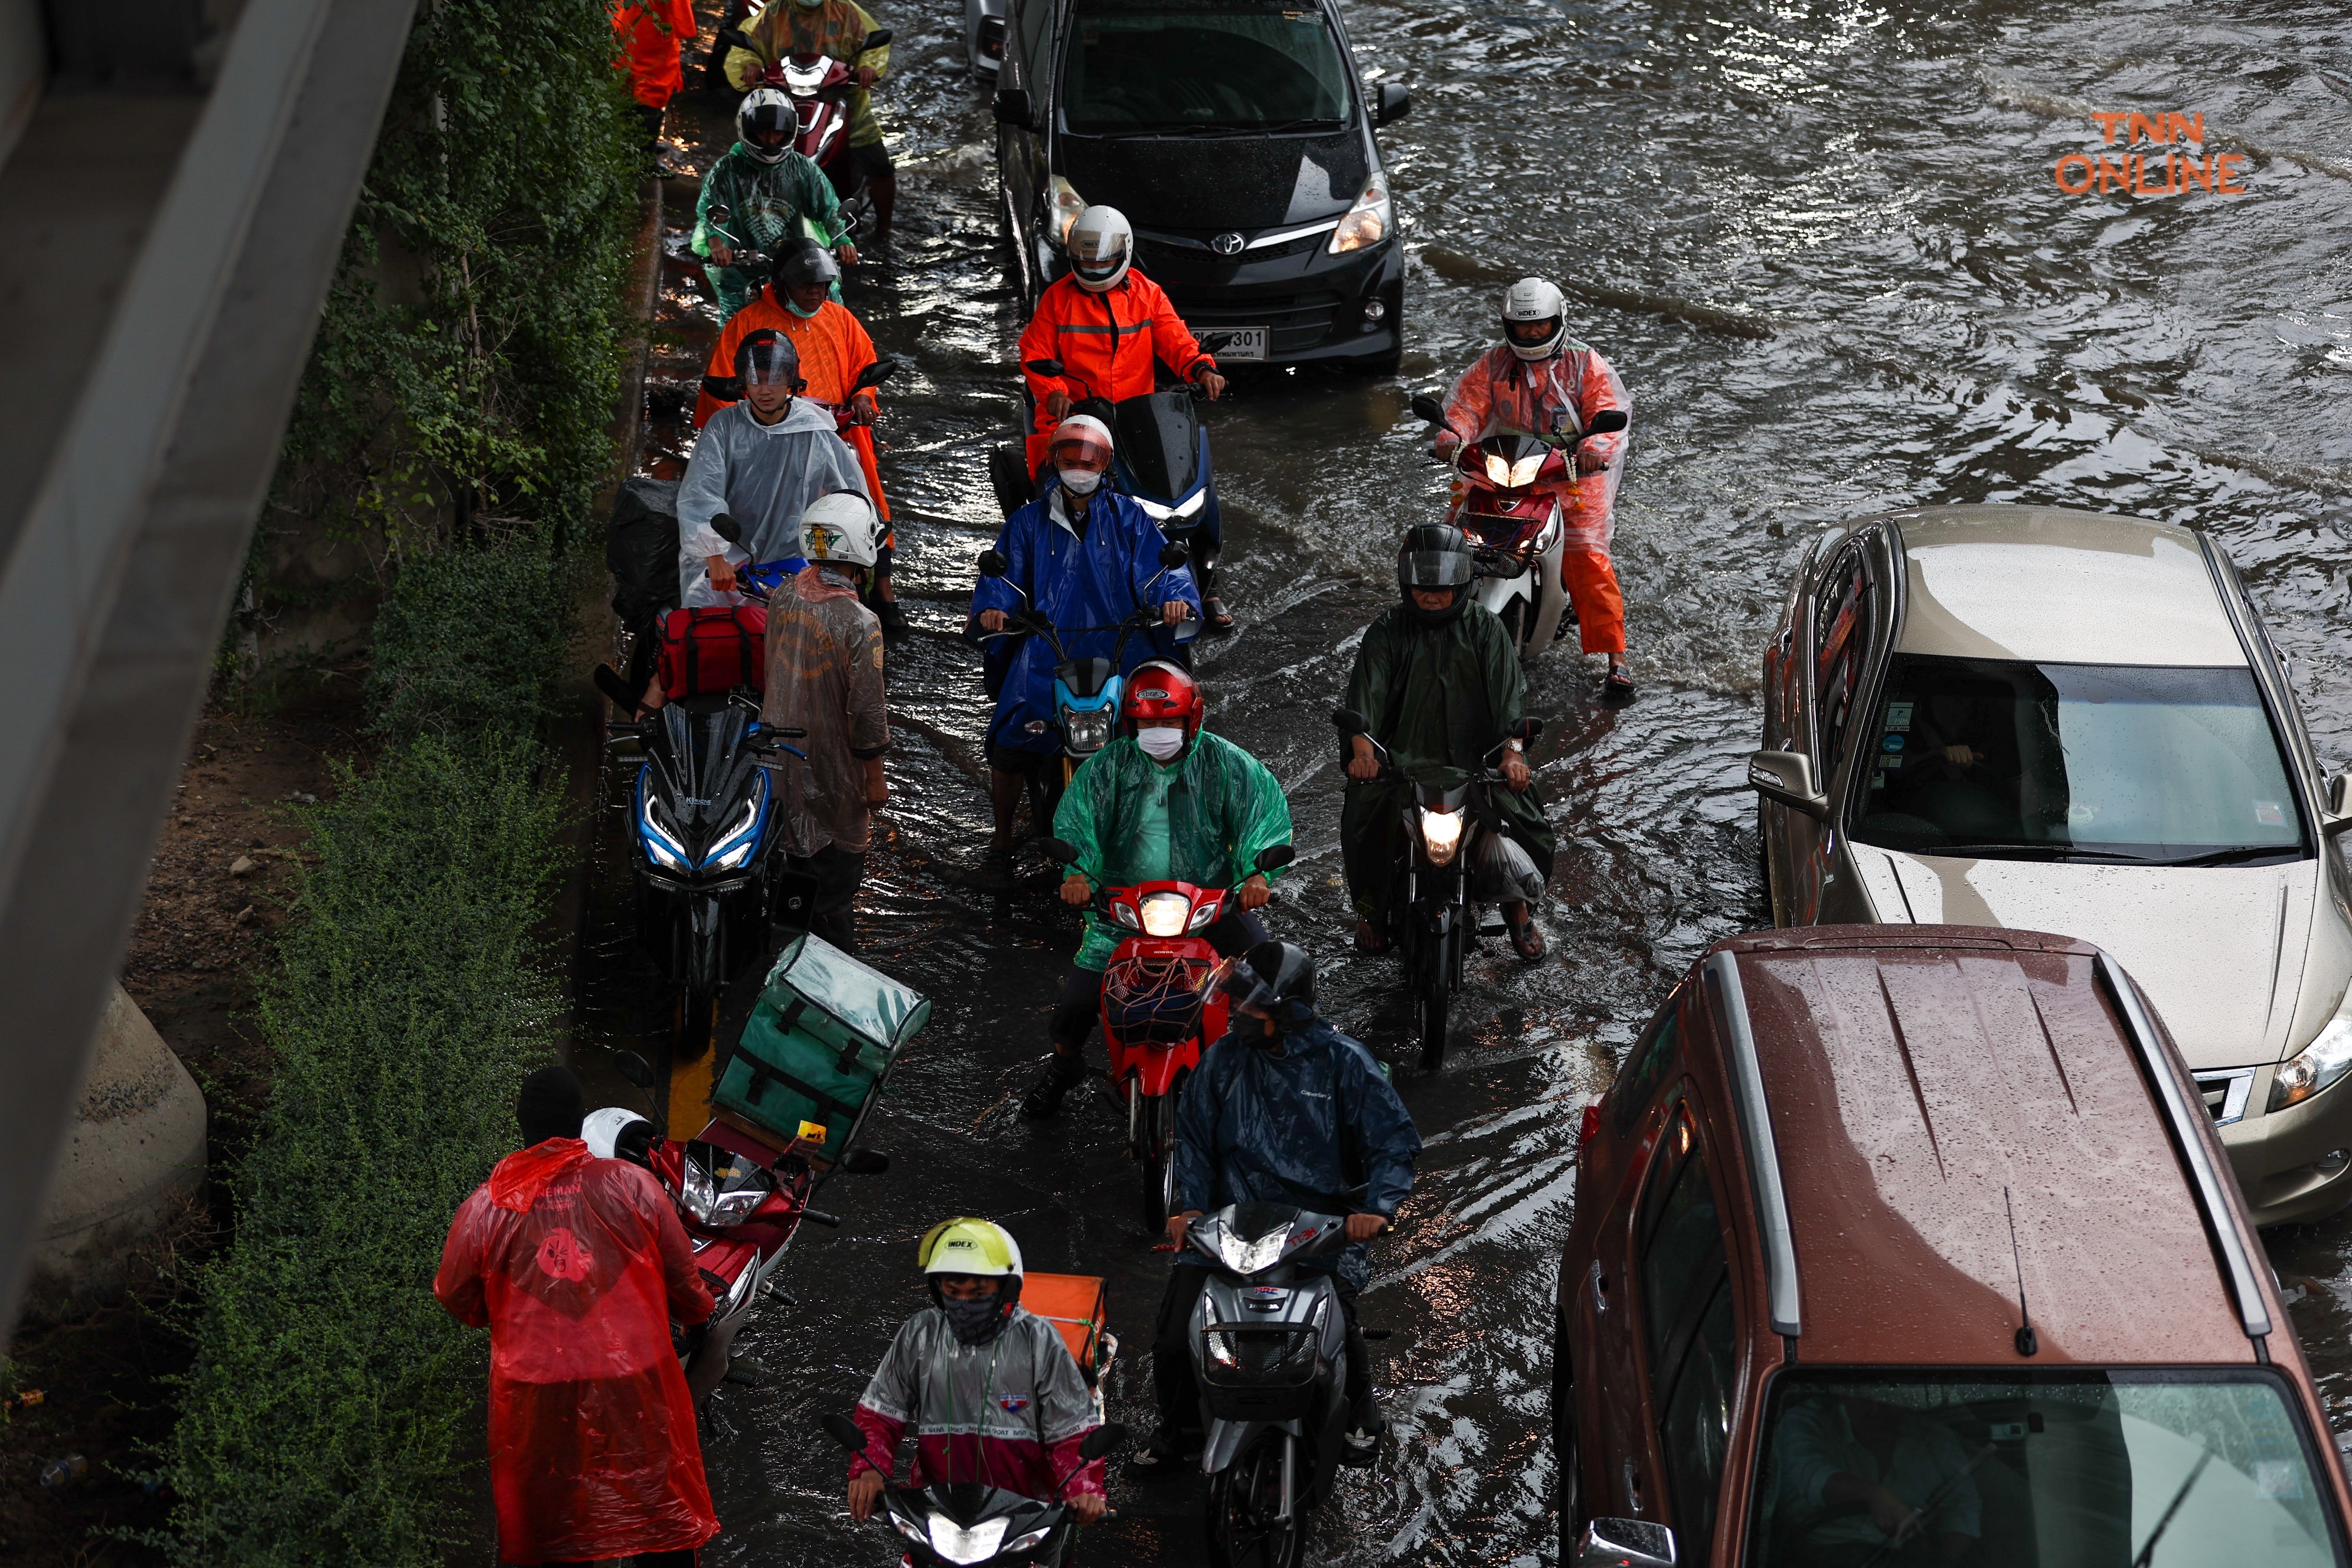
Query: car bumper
point(2281, 1158)
point(1314, 305)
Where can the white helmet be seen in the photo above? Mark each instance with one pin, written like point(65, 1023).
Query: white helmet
point(840, 528)
point(616, 1132)
point(1101, 244)
point(1535, 318)
point(766, 111)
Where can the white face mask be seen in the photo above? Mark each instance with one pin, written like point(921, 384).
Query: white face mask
point(1080, 481)
point(1161, 742)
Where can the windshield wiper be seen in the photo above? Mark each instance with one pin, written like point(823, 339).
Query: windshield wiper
point(1180, 128)
point(2243, 854)
point(2014, 852)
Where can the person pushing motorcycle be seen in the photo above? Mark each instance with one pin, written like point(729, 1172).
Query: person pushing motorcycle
point(1284, 1110)
point(990, 1388)
point(1438, 680)
point(837, 29)
point(1082, 556)
point(758, 197)
point(1167, 800)
point(1539, 381)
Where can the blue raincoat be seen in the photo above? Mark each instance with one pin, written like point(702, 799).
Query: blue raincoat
point(1097, 581)
point(1308, 1128)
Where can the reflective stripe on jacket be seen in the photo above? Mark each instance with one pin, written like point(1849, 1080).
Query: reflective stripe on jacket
point(1107, 342)
point(1009, 1413)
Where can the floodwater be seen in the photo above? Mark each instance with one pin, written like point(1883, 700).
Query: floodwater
point(1826, 247)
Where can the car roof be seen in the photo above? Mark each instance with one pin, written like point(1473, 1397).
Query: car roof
point(1925, 1086)
point(2059, 586)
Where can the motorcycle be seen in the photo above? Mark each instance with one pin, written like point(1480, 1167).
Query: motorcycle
point(963, 1524)
point(1155, 1020)
point(819, 86)
point(740, 1201)
point(1452, 832)
point(1509, 505)
point(1086, 690)
point(1269, 1356)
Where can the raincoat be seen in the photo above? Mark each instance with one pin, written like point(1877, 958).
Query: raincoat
point(1317, 1126)
point(577, 1266)
point(1009, 1413)
point(824, 675)
point(1439, 698)
point(1096, 581)
point(1108, 343)
point(763, 476)
point(1223, 807)
point(766, 204)
point(1558, 395)
point(835, 351)
point(651, 33)
point(833, 29)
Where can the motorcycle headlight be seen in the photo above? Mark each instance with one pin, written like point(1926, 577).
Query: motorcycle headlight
point(740, 839)
point(1523, 472)
point(655, 833)
point(1441, 834)
point(1088, 731)
point(1202, 917)
point(911, 1531)
point(1068, 206)
point(1497, 470)
point(1543, 538)
point(2315, 1067)
point(1024, 1542)
point(954, 1544)
point(1249, 1257)
point(700, 1192)
point(1184, 508)
point(1165, 914)
point(1367, 222)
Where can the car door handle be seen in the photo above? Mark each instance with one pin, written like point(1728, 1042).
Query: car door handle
point(1600, 1284)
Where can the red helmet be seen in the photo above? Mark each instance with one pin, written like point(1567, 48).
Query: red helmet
point(1158, 691)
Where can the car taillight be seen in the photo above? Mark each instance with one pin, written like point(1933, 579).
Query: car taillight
point(1591, 1125)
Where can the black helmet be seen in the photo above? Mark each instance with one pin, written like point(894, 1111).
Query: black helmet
point(766, 358)
point(1272, 980)
point(806, 261)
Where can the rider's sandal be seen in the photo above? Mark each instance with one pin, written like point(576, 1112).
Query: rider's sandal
point(1617, 686)
point(1157, 1458)
point(1213, 611)
point(1526, 940)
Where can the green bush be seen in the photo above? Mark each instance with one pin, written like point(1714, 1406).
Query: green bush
point(470, 639)
point(331, 1405)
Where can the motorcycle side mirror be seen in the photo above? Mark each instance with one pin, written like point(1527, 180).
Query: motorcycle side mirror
point(844, 1431)
point(875, 39)
point(992, 564)
point(1350, 722)
point(1215, 343)
point(1274, 856)
point(866, 1163)
point(727, 527)
point(634, 1068)
point(1427, 408)
point(875, 375)
point(1102, 1440)
point(1526, 731)
point(1172, 556)
point(1607, 420)
point(1045, 367)
point(1056, 849)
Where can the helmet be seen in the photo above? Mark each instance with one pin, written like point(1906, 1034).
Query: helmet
point(1159, 691)
point(1272, 980)
point(806, 261)
point(1083, 436)
point(767, 358)
point(1434, 555)
point(765, 111)
point(976, 1246)
point(1535, 318)
point(1101, 244)
point(840, 528)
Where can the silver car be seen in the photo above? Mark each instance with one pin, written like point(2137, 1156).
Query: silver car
point(2074, 723)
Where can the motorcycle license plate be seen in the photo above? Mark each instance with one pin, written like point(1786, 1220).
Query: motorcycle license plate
point(1243, 344)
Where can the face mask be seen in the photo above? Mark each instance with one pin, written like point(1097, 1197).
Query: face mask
point(1161, 742)
point(794, 306)
point(1080, 481)
point(977, 1321)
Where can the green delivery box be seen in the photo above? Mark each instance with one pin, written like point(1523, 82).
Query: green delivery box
point(818, 1046)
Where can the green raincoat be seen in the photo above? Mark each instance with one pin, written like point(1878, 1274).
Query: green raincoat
point(1223, 807)
point(767, 205)
point(1439, 698)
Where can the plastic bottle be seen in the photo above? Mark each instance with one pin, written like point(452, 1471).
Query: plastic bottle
point(59, 1474)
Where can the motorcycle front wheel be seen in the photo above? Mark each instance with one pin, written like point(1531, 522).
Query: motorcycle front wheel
point(1155, 1158)
point(1429, 996)
point(1243, 1498)
point(694, 1024)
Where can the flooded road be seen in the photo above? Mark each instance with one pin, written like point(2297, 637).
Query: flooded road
point(1826, 247)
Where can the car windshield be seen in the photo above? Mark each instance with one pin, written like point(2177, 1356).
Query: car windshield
point(2150, 1469)
point(1201, 70)
point(2066, 762)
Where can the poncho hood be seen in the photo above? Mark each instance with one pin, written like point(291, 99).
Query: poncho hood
point(519, 1179)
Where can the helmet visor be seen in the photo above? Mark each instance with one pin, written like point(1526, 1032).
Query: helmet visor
point(771, 363)
point(1532, 334)
point(1081, 450)
point(1435, 568)
point(1093, 266)
point(1241, 986)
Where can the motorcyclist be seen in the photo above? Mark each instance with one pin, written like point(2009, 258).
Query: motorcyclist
point(1541, 380)
point(833, 28)
point(1082, 555)
point(761, 461)
point(824, 677)
point(1438, 680)
point(1167, 801)
point(989, 1387)
point(1111, 327)
point(759, 197)
point(833, 351)
point(1284, 1109)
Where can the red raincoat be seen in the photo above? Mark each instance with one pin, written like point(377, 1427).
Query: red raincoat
point(1106, 343)
point(576, 1266)
point(648, 33)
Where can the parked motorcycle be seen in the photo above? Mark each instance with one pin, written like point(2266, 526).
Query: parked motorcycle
point(1509, 503)
point(819, 86)
point(1087, 691)
point(964, 1524)
point(740, 1201)
point(1455, 842)
point(1156, 1019)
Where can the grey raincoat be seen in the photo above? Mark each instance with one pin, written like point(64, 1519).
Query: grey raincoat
point(763, 476)
point(1008, 1414)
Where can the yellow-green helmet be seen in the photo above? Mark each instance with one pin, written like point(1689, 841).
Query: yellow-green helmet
point(968, 1245)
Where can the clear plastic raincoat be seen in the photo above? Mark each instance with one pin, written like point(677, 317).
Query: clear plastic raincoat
point(1008, 1414)
point(577, 1266)
point(824, 675)
point(1555, 396)
point(763, 476)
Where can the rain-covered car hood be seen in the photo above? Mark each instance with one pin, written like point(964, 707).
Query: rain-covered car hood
point(1243, 183)
point(2229, 954)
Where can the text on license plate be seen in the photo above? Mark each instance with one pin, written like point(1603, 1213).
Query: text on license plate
point(1243, 343)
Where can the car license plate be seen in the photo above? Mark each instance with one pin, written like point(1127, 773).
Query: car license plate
point(1243, 344)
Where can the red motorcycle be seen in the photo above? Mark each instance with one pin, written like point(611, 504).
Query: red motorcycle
point(740, 1200)
point(819, 86)
point(1155, 1020)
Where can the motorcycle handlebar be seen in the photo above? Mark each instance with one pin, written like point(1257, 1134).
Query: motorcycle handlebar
point(818, 1217)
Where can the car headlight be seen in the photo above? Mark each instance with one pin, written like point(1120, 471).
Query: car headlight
point(954, 1544)
point(2315, 1067)
point(655, 832)
point(1367, 222)
point(740, 839)
point(1441, 834)
point(1165, 914)
point(1068, 206)
point(1249, 1257)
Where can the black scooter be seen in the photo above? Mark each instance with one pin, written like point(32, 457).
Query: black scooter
point(966, 1525)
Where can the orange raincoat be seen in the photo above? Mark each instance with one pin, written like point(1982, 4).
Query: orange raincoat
point(834, 350)
point(1106, 343)
point(649, 32)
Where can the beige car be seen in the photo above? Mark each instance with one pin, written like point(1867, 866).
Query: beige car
point(2072, 721)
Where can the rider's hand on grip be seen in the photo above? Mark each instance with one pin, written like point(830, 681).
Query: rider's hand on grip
point(1076, 890)
point(1363, 766)
point(1364, 1227)
point(1254, 894)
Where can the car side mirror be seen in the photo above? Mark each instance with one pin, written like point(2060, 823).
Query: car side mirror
point(992, 564)
point(1393, 103)
point(1350, 722)
point(866, 1163)
point(1056, 849)
point(1625, 1543)
point(1787, 778)
point(726, 528)
point(1274, 856)
point(1012, 107)
point(2339, 805)
point(875, 375)
point(1427, 408)
point(1172, 556)
point(1044, 367)
point(634, 1068)
point(1606, 421)
point(1101, 1440)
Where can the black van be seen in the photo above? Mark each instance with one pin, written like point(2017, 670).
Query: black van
point(1235, 137)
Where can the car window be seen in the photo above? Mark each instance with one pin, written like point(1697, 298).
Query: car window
point(1029, 19)
point(1646, 1064)
point(1841, 633)
point(1694, 1424)
point(1157, 68)
point(2129, 763)
point(1685, 1309)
